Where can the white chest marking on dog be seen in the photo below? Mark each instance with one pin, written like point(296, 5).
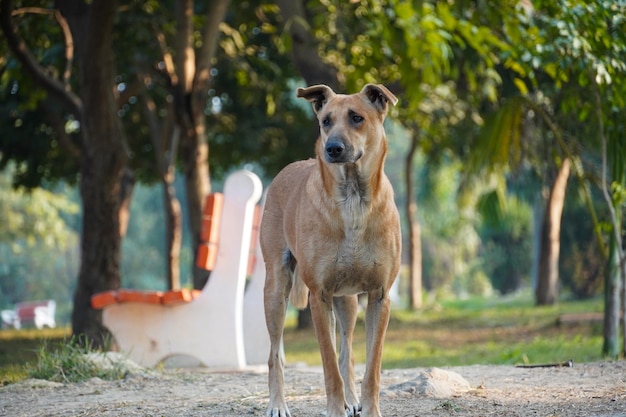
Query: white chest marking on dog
point(353, 199)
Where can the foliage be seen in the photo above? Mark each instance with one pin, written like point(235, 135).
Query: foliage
point(39, 132)
point(450, 239)
point(506, 246)
point(254, 71)
point(38, 244)
point(582, 265)
point(34, 217)
point(251, 110)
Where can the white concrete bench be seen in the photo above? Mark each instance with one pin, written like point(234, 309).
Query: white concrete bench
point(207, 325)
point(36, 313)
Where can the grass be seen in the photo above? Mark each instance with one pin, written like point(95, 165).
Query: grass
point(70, 363)
point(50, 354)
point(504, 330)
point(508, 330)
point(19, 349)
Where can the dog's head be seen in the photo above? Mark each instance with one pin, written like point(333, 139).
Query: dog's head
point(349, 124)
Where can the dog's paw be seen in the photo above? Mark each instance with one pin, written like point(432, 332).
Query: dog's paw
point(353, 410)
point(278, 412)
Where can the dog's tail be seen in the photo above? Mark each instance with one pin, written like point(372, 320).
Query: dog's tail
point(299, 295)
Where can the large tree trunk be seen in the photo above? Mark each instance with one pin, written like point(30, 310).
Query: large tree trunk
point(415, 232)
point(104, 160)
point(547, 289)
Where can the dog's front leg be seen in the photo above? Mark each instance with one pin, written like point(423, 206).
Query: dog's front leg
point(376, 321)
point(277, 288)
point(323, 321)
point(346, 311)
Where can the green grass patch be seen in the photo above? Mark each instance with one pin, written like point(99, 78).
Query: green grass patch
point(18, 348)
point(70, 363)
point(504, 330)
point(47, 354)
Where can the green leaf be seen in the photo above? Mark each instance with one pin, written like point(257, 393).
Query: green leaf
point(521, 86)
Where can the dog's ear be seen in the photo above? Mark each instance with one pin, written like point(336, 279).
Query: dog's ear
point(318, 95)
point(379, 96)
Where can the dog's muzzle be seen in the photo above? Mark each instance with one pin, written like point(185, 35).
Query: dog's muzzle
point(338, 152)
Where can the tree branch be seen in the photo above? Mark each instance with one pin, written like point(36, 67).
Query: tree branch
point(169, 70)
point(304, 52)
point(67, 34)
point(184, 57)
point(59, 90)
point(210, 35)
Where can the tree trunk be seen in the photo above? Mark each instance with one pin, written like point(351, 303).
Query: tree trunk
point(547, 289)
point(104, 160)
point(539, 209)
point(165, 138)
point(173, 230)
point(190, 85)
point(127, 186)
point(195, 154)
point(415, 239)
point(612, 303)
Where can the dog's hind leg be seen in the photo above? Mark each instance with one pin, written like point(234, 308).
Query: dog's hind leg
point(277, 287)
point(346, 310)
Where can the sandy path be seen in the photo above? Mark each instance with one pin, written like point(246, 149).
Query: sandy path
point(594, 389)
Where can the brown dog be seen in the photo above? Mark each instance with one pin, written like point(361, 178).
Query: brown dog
point(331, 224)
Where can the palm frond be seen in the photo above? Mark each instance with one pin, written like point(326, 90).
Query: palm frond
point(498, 146)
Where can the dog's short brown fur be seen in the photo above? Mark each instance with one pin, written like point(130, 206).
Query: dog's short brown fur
point(330, 228)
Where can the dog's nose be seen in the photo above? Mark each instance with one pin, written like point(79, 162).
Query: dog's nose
point(334, 150)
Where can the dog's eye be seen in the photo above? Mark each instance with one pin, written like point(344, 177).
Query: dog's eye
point(326, 122)
point(356, 119)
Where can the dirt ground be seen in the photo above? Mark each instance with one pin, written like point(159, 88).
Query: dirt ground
point(592, 389)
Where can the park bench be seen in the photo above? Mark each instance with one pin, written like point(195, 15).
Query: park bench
point(220, 326)
point(36, 313)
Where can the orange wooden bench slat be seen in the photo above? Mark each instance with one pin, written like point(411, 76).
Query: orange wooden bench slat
point(107, 298)
point(151, 297)
point(180, 296)
point(103, 299)
point(207, 256)
point(211, 217)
